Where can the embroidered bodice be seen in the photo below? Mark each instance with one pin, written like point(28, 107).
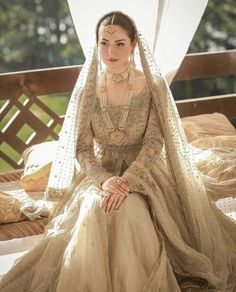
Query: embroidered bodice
point(101, 159)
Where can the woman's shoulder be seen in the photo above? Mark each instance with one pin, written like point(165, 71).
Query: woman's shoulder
point(140, 81)
point(141, 86)
point(139, 75)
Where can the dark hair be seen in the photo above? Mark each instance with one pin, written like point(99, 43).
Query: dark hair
point(117, 18)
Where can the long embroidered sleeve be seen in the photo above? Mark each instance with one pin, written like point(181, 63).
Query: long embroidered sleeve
point(152, 146)
point(87, 160)
point(143, 143)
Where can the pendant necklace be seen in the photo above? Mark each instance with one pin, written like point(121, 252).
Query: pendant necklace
point(120, 77)
point(117, 134)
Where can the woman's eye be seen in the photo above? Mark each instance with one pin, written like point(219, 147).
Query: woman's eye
point(120, 44)
point(103, 43)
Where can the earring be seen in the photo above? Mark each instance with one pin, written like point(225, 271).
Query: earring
point(132, 61)
point(100, 68)
point(99, 61)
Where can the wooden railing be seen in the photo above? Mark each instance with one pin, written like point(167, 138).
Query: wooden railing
point(19, 91)
point(204, 65)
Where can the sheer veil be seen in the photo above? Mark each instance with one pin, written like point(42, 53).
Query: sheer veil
point(206, 227)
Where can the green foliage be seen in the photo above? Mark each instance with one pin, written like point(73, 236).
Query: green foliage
point(216, 30)
point(36, 34)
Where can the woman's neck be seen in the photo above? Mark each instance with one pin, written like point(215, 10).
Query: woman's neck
point(118, 76)
point(118, 70)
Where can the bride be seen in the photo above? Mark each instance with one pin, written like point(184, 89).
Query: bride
point(132, 210)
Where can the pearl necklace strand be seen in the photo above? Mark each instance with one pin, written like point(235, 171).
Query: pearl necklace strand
point(117, 134)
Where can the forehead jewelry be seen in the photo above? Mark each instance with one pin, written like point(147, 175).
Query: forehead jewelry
point(111, 29)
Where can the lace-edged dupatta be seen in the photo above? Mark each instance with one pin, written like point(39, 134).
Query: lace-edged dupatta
point(205, 230)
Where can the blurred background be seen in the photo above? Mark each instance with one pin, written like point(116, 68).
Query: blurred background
point(40, 34)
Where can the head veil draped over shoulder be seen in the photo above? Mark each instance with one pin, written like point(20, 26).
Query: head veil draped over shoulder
point(204, 229)
point(79, 114)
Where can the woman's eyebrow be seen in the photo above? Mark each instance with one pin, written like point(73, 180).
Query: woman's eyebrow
point(122, 40)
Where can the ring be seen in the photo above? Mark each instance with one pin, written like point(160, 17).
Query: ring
point(119, 181)
point(124, 181)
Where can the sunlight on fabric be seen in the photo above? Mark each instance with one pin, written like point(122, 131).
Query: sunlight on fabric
point(200, 155)
point(228, 206)
point(7, 261)
point(11, 250)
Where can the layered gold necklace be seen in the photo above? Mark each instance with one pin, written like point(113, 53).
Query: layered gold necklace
point(118, 77)
point(117, 135)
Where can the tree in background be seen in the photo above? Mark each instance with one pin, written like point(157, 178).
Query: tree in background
point(36, 34)
point(217, 28)
point(215, 32)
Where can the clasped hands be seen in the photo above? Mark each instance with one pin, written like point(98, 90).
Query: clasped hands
point(116, 190)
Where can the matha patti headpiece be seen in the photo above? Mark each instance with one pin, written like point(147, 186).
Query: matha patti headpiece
point(111, 29)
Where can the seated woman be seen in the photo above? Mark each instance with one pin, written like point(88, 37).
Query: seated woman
point(135, 215)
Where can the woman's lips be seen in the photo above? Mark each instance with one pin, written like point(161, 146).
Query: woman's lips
point(112, 60)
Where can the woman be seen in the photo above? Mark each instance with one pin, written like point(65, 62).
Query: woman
point(135, 216)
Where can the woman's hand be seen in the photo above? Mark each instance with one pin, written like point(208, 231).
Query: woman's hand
point(116, 191)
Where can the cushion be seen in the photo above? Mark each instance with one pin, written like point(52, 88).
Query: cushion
point(11, 210)
point(215, 142)
point(205, 125)
point(16, 204)
point(22, 229)
point(10, 175)
point(37, 159)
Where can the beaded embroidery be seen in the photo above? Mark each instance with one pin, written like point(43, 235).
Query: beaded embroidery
point(117, 134)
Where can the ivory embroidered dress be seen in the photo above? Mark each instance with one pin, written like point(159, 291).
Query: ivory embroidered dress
point(140, 246)
point(95, 251)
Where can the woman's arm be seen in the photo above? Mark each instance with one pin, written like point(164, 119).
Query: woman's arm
point(87, 160)
point(152, 146)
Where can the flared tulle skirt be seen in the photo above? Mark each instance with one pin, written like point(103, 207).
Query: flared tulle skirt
point(86, 249)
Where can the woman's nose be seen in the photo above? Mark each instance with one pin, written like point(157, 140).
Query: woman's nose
point(111, 51)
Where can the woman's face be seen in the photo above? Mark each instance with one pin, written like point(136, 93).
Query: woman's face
point(115, 47)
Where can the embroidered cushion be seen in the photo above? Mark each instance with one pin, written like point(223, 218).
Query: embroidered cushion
point(207, 125)
point(37, 159)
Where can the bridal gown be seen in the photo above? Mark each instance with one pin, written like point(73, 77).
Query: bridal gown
point(84, 249)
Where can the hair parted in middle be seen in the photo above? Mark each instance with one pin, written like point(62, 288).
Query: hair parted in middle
point(117, 18)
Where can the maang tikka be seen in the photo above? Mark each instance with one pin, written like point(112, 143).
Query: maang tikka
point(111, 29)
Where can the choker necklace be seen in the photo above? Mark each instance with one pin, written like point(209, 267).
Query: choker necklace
point(118, 77)
point(117, 135)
